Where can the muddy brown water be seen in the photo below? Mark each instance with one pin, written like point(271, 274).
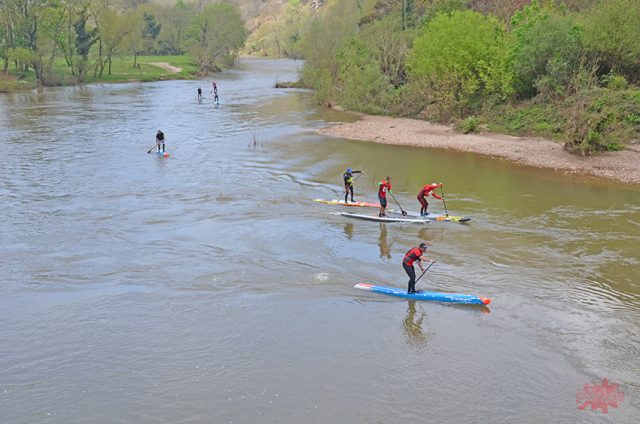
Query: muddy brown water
point(208, 287)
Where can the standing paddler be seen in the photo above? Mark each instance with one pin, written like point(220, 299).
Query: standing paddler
point(415, 254)
point(160, 140)
point(424, 193)
point(385, 186)
point(348, 183)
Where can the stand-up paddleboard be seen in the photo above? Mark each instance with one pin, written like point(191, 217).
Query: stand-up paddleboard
point(342, 203)
point(424, 295)
point(433, 216)
point(162, 154)
point(386, 218)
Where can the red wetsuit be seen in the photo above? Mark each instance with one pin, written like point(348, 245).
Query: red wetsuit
point(424, 193)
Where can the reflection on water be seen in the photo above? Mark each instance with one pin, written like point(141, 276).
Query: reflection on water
point(383, 244)
point(413, 323)
point(348, 230)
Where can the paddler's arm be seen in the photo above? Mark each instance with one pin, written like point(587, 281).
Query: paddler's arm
point(434, 194)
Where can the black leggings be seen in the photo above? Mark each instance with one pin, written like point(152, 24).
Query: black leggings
point(411, 272)
point(346, 193)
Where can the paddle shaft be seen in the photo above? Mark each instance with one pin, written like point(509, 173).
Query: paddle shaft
point(404, 213)
point(424, 272)
point(149, 151)
point(444, 202)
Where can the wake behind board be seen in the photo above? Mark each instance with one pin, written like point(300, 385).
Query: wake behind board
point(465, 299)
point(342, 203)
point(433, 216)
point(386, 218)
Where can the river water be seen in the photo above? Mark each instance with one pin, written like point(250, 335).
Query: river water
point(208, 287)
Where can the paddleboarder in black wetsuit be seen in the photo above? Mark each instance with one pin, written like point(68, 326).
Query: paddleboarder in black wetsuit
point(215, 92)
point(199, 93)
point(160, 140)
point(415, 254)
point(348, 183)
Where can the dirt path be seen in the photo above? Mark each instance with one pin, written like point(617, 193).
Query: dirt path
point(623, 165)
point(167, 67)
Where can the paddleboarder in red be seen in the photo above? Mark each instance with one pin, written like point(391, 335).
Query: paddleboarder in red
point(424, 193)
point(385, 186)
point(415, 254)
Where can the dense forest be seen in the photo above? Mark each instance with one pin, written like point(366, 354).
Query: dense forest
point(562, 69)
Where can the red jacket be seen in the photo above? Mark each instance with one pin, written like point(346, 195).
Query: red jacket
point(428, 189)
point(384, 187)
point(411, 256)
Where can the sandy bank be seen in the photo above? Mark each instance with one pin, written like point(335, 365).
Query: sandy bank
point(623, 165)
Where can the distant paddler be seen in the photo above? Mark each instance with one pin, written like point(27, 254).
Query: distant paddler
point(424, 193)
point(413, 255)
point(160, 140)
point(385, 186)
point(348, 183)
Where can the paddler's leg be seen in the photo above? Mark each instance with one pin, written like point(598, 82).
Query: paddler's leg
point(383, 205)
point(346, 193)
point(423, 205)
point(162, 147)
point(351, 188)
point(411, 272)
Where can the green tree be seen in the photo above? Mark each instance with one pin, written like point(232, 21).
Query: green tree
point(612, 34)
point(84, 39)
point(461, 57)
point(215, 36)
point(360, 84)
point(327, 32)
point(547, 50)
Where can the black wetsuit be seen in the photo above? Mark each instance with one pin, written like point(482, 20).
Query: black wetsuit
point(160, 140)
point(348, 184)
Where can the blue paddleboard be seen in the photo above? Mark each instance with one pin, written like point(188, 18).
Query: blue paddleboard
point(424, 295)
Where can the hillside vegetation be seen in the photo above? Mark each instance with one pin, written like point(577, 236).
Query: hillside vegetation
point(563, 69)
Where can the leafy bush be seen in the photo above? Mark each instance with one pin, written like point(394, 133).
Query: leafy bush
point(601, 119)
point(526, 118)
point(547, 52)
point(461, 56)
point(469, 125)
point(614, 82)
point(360, 82)
point(612, 31)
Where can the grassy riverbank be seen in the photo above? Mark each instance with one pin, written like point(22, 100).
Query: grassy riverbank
point(150, 68)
